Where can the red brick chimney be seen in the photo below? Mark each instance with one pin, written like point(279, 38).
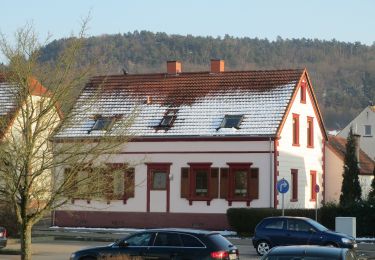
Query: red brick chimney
point(173, 67)
point(217, 66)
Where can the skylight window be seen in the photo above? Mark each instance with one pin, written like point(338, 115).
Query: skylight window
point(103, 123)
point(168, 118)
point(231, 121)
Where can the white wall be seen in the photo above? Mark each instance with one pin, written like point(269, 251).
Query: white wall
point(180, 154)
point(367, 143)
point(333, 181)
point(300, 157)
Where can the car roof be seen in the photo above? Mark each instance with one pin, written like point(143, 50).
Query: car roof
point(287, 217)
point(307, 251)
point(183, 230)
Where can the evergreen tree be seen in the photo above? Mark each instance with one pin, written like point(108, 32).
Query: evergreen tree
point(350, 189)
point(371, 195)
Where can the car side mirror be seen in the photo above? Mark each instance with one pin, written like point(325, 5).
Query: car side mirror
point(123, 243)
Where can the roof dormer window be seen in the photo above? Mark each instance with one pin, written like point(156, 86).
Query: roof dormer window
point(103, 123)
point(231, 121)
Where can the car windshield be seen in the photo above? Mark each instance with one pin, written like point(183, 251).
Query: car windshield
point(317, 225)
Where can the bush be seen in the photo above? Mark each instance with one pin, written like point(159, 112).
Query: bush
point(8, 220)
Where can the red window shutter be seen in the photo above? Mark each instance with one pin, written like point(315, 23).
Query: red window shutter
point(295, 129)
point(254, 183)
point(313, 183)
point(214, 189)
point(108, 189)
point(185, 182)
point(70, 179)
point(129, 183)
point(224, 182)
point(294, 191)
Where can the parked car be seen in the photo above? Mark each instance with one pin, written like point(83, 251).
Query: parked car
point(283, 231)
point(164, 244)
point(3, 237)
point(309, 253)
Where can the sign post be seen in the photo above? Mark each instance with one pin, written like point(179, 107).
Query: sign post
point(282, 187)
point(316, 189)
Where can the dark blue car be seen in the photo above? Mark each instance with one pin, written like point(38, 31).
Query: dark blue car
point(283, 231)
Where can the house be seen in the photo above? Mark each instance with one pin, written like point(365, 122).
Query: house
point(25, 124)
point(335, 153)
point(205, 142)
point(364, 125)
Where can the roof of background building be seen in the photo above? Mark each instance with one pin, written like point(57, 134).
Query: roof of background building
point(338, 144)
point(198, 101)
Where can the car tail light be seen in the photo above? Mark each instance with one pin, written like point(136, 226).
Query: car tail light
point(220, 255)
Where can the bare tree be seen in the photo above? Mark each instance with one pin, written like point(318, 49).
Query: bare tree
point(37, 175)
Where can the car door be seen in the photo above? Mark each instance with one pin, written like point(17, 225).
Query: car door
point(300, 232)
point(274, 231)
point(167, 245)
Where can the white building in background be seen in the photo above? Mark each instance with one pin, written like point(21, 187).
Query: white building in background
point(204, 142)
point(363, 125)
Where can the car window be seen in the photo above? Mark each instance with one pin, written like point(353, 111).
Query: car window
point(220, 241)
point(167, 239)
point(274, 224)
point(291, 257)
point(298, 225)
point(142, 239)
point(191, 241)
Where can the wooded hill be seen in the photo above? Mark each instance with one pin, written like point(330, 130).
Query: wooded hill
point(343, 74)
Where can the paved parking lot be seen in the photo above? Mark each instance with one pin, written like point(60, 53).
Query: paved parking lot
point(46, 249)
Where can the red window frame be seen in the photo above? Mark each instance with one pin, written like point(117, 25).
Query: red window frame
point(312, 183)
point(303, 93)
point(310, 132)
point(294, 181)
point(194, 167)
point(233, 167)
point(295, 129)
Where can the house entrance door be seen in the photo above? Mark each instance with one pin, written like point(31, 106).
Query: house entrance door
point(158, 187)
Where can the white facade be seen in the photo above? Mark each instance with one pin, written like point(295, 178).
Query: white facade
point(179, 154)
point(364, 125)
point(301, 158)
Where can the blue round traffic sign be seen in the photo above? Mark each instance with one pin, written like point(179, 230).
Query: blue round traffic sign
point(316, 188)
point(282, 186)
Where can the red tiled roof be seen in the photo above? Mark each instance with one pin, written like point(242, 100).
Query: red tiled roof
point(184, 88)
point(338, 145)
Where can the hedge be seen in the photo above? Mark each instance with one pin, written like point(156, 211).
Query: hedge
point(244, 220)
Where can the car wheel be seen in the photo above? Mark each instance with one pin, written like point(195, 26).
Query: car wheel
point(88, 258)
point(263, 247)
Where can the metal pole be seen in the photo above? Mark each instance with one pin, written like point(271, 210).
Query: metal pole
point(316, 206)
point(282, 203)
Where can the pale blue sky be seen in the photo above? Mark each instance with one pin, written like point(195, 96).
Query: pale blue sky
point(344, 20)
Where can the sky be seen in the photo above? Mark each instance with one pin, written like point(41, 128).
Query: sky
point(343, 20)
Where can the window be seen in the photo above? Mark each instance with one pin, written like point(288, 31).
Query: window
point(312, 183)
point(200, 182)
point(298, 225)
point(167, 239)
point(274, 224)
point(103, 123)
point(142, 239)
point(294, 191)
point(230, 121)
point(310, 132)
point(159, 180)
point(303, 93)
point(120, 182)
point(368, 130)
point(168, 118)
point(295, 129)
point(190, 241)
point(240, 183)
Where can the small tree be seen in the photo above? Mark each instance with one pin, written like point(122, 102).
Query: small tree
point(29, 181)
point(350, 189)
point(371, 195)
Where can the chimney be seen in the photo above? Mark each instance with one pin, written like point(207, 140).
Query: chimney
point(357, 138)
point(217, 66)
point(173, 67)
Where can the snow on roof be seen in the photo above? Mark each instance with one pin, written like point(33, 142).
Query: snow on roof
point(200, 102)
